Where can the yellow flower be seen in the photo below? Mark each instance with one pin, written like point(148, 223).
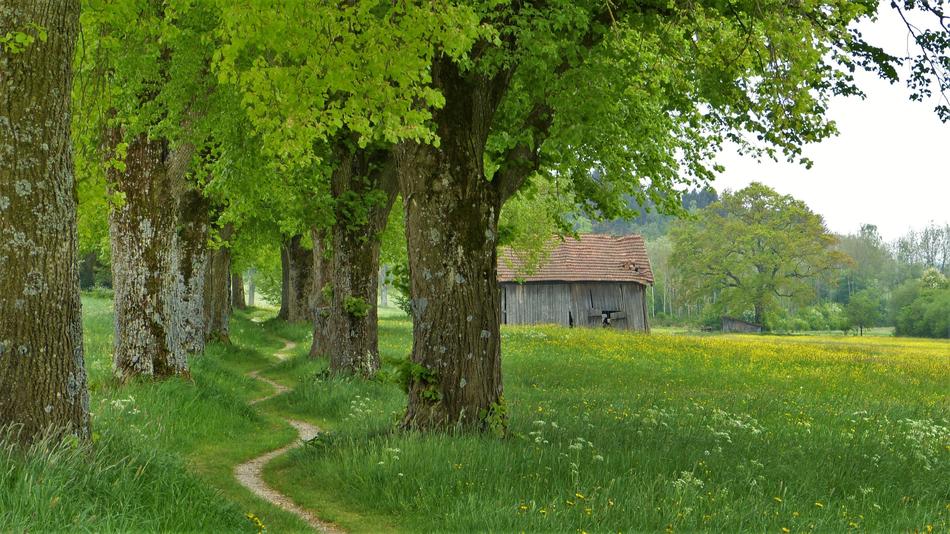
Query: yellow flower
point(819, 505)
point(777, 499)
point(579, 496)
point(785, 530)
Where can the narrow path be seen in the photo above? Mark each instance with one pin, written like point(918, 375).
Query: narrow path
point(249, 474)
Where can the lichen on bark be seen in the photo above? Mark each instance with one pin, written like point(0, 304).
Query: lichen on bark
point(42, 372)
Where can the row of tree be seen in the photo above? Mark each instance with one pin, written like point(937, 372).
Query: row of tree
point(219, 129)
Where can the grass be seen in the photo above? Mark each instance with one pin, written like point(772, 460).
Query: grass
point(163, 452)
point(610, 431)
point(620, 432)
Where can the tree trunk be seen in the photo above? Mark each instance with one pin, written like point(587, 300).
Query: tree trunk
point(321, 306)
point(194, 224)
point(41, 352)
point(251, 288)
point(145, 262)
point(298, 282)
point(217, 302)
point(237, 291)
point(352, 341)
point(284, 311)
point(452, 233)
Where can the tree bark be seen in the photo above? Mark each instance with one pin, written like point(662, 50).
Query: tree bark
point(284, 311)
point(194, 224)
point(41, 351)
point(217, 302)
point(297, 264)
point(452, 233)
point(352, 340)
point(237, 291)
point(322, 276)
point(145, 262)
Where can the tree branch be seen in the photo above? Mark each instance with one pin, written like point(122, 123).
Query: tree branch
point(522, 160)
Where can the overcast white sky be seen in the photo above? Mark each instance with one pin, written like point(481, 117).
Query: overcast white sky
point(889, 166)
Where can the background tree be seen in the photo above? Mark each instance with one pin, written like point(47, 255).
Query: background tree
point(917, 251)
point(752, 248)
point(921, 307)
point(872, 264)
point(864, 309)
point(41, 347)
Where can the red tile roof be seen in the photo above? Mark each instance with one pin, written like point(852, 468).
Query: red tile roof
point(592, 258)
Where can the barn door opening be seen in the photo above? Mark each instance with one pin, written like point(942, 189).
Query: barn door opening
point(504, 305)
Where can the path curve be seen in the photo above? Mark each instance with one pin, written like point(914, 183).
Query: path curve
point(250, 473)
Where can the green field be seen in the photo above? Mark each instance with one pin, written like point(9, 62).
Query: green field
point(610, 431)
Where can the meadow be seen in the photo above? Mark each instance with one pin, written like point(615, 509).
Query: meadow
point(609, 431)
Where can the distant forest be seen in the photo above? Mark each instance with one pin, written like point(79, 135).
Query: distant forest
point(649, 223)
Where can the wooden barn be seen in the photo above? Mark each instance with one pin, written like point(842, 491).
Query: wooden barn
point(730, 324)
point(591, 281)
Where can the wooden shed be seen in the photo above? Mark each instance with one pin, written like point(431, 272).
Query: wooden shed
point(730, 324)
point(590, 281)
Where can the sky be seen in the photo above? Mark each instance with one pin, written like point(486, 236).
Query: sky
point(889, 165)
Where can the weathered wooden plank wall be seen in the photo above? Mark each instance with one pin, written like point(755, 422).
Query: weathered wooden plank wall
point(536, 303)
point(735, 325)
point(555, 303)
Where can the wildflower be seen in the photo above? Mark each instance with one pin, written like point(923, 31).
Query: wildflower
point(261, 528)
point(785, 530)
point(543, 511)
point(588, 511)
point(569, 502)
point(579, 496)
point(523, 507)
point(818, 504)
point(777, 499)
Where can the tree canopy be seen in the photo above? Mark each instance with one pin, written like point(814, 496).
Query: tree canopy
point(753, 247)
